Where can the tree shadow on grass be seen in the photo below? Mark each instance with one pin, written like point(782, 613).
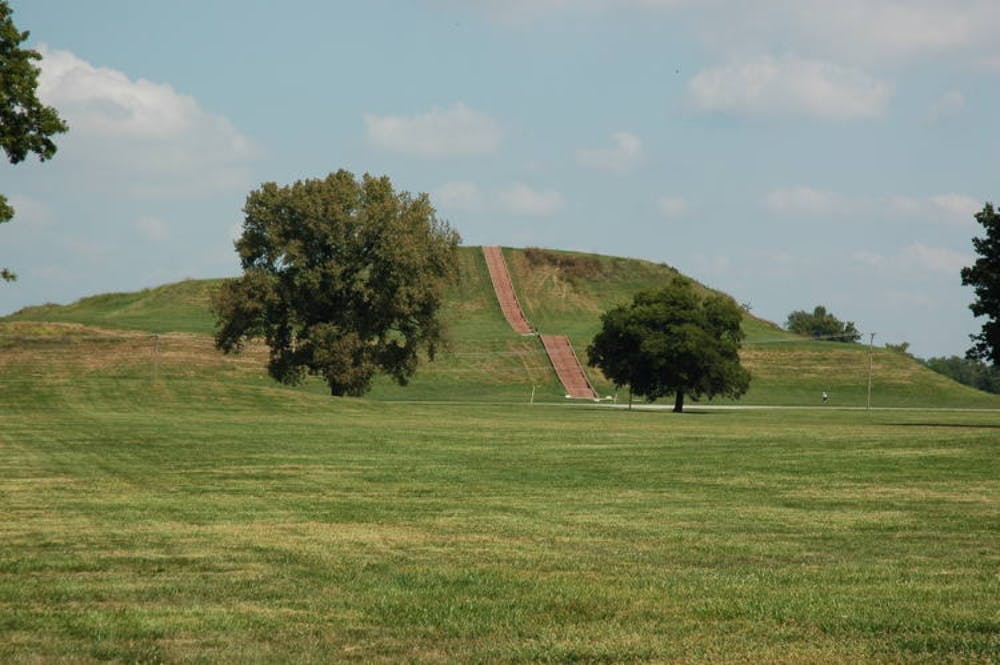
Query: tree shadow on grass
point(948, 425)
point(671, 412)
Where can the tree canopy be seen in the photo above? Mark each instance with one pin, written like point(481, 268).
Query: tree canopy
point(984, 277)
point(822, 325)
point(342, 278)
point(967, 371)
point(671, 341)
point(26, 125)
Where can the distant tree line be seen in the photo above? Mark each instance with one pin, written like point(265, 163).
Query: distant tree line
point(968, 371)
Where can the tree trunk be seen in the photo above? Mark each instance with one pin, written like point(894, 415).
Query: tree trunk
point(679, 402)
point(630, 398)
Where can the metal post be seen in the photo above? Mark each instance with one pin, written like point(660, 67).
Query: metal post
point(871, 351)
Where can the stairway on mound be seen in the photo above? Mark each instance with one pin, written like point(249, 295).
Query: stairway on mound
point(567, 366)
point(504, 289)
point(557, 347)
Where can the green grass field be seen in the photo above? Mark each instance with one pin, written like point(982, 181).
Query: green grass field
point(163, 503)
point(263, 525)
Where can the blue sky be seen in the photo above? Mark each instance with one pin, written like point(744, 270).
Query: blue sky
point(789, 152)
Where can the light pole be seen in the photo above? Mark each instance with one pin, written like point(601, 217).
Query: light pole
point(871, 362)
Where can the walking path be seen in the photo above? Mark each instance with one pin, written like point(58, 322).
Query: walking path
point(505, 291)
point(568, 367)
point(560, 351)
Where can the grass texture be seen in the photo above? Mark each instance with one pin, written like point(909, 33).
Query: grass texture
point(163, 503)
point(259, 525)
point(561, 292)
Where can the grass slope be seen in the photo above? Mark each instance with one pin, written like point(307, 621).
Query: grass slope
point(561, 292)
point(163, 503)
point(180, 307)
point(189, 522)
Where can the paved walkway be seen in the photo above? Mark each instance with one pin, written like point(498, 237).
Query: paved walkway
point(560, 351)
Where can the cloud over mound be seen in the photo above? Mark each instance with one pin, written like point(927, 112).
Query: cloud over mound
point(790, 86)
point(137, 135)
point(457, 131)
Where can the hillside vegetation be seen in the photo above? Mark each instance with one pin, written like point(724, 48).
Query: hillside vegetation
point(163, 503)
point(164, 333)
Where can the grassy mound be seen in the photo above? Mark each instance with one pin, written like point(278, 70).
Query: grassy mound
point(165, 503)
point(180, 307)
point(561, 293)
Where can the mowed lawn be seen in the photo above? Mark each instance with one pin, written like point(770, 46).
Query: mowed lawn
point(299, 528)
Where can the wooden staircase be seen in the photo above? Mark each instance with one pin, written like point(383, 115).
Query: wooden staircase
point(561, 354)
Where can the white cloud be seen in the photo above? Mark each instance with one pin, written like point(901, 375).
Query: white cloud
point(519, 12)
point(869, 258)
point(516, 199)
point(948, 105)
point(790, 86)
point(620, 158)
point(862, 32)
point(463, 196)
point(956, 209)
point(671, 207)
point(452, 132)
point(906, 206)
point(106, 102)
point(915, 259)
point(153, 228)
point(935, 259)
point(797, 201)
point(520, 199)
point(138, 136)
point(889, 29)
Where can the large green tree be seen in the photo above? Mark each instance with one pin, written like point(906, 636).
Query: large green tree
point(342, 278)
point(984, 277)
point(672, 341)
point(822, 325)
point(26, 125)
